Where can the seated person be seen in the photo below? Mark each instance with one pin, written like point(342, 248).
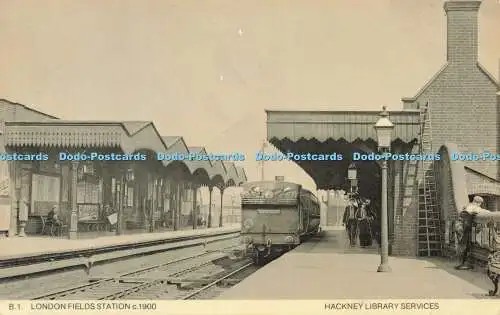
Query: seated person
point(53, 220)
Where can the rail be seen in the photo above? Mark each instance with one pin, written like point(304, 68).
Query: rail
point(192, 295)
point(44, 257)
point(486, 245)
point(122, 285)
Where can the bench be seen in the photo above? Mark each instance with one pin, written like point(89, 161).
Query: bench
point(93, 225)
point(51, 229)
point(486, 227)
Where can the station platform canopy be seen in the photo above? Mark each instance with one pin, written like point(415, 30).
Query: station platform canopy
point(341, 132)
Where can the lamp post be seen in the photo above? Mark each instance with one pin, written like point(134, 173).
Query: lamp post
point(384, 128)
point(352, 176)
point(324, 206)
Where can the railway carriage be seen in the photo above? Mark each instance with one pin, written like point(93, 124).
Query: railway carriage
point(276, 217)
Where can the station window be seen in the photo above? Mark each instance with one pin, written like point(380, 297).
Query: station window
point(4, 179)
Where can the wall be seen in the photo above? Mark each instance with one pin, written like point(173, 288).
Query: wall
point(406, 218)
point(8, 206)
point(459, 97)
point(405, 215)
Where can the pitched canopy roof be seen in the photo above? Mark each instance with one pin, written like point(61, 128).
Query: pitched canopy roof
point(128, 136)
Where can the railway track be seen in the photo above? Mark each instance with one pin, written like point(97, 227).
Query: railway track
point(147, 246)
point(216, 287)
point(167, 280)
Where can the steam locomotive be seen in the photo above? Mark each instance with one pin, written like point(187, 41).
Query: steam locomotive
point(276, 217)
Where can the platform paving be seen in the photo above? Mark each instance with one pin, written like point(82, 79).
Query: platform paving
point(327, 268)
point(17, 247)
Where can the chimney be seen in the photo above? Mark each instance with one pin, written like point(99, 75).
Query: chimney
point(279, 179)
point(462, 31)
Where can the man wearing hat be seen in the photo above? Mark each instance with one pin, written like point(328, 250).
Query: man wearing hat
point(463, 229)
point(349, 219)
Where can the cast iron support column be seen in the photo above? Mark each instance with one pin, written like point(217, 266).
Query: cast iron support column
point(195, 215)
point(14, 205)
point(73, 225)
point(209, 219)
point(221, 205)
point(180, 187)
point(19, 215)
point(384, 257)
point(121, 201)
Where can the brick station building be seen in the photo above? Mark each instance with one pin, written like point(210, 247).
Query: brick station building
point(148, 195)
point(463, 109)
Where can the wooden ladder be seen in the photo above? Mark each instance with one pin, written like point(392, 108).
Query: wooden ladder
point(429, 223)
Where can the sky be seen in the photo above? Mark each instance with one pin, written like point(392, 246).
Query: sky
point(207, 70)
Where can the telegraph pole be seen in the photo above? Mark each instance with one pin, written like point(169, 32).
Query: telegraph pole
point(262, 161)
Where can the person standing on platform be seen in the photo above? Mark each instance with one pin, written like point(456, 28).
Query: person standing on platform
point(349, 220)
point(463, 230)
point(365, 218)
point(111, 216)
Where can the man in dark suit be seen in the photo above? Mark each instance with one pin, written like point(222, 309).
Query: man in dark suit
point(350, 221)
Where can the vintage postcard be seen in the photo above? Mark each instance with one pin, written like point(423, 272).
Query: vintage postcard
point(259, 157)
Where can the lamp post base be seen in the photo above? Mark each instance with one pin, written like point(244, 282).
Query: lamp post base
point(384, 268)
point(22, 226)
point(72, 235)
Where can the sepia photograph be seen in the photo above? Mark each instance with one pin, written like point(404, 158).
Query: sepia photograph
point(168, 150)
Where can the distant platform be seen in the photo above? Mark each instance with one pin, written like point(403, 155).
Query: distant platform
point(326, 268)
point(18, 247)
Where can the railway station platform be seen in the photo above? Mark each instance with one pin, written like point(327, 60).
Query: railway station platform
point(326, 268)
point(19, 247)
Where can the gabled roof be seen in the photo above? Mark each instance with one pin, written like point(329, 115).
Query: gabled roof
point(426, 85)
point(488, 74)
point(2, 100)
point(241, 174)
point(129, 136)
point(196, 149)
point(202, 151)
point(436, 76)
point(170, 140)
point(134, 127)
